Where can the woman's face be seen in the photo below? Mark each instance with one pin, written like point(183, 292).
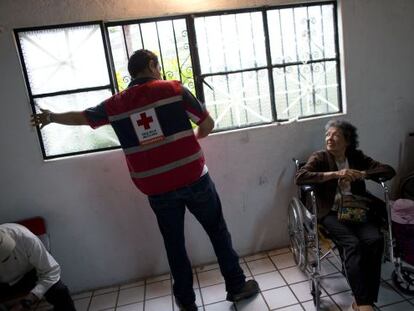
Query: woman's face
point(335, 140)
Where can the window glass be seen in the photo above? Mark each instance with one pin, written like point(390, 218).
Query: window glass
point(306, 90)
point(252, 67)
point(64, 58)
point(167, 39)
point(302, 44)
point(60, 139)
point(239, 99)
point(67, 70)
point(230, 42)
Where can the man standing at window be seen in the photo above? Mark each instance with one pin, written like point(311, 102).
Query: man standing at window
point(152, 121)
point(26, 267)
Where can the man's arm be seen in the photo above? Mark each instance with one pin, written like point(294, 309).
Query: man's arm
point(47, 269)
point(67, 118)
point(198, 113)
point(204, 128)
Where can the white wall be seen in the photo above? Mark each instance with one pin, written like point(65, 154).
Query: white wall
point(102, 229)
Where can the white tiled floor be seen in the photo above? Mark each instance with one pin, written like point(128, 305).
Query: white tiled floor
point(283, 287)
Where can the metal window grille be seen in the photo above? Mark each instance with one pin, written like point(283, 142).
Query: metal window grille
point(272, 64)
point(233, 64)
point(168, 39)
point(305, 61)
point(249, 66)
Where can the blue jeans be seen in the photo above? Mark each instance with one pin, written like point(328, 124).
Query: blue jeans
point(203, 202)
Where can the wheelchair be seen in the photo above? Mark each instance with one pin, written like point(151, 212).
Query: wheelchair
point(306, 245)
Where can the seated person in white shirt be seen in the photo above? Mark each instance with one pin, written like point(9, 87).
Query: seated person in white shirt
point(26, 266)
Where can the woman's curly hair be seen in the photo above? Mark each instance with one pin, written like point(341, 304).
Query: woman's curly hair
point(348, 130)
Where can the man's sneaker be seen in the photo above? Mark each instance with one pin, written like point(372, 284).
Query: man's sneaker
point(249, 289)
point(191, 307)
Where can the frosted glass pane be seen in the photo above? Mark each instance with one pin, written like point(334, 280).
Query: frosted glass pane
point(238, 100)
point(64, 58)
point(61, 139)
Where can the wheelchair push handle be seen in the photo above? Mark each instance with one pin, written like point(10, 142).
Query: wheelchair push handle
point(297, 163)
point(307, 188)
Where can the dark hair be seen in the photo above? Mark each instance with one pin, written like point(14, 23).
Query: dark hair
point(139, 61)
point(348, 130)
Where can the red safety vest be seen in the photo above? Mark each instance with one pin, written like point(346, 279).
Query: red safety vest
point(166, 155)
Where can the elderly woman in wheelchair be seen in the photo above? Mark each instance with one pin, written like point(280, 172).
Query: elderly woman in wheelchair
point(346, 210)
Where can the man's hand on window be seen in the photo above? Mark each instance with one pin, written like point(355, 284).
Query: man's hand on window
point(41, 119)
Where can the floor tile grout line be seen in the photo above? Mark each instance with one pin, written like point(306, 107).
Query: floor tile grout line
point(293, 292)
point(287, 252)
point(340, 292)
point(90, 301)
point(244, 262)
point(266, 256)
point(172, 293)
point(391, 284)
point(199, 288)
point(287, 283)
point(287, 306)
point(396, 291)
point(378, 307)
point(308, 280)
point(330, 295)
point(384, 281)
point(117, 297)
point(145, 294)
point(331, 298)
point(130, 304)
point(253, 276)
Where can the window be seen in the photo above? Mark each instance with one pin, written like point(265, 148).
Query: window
point(269, 65)
point(304, 61)
point(233, 68)
point(249, 66)
point(168, 39)
point(66, 69)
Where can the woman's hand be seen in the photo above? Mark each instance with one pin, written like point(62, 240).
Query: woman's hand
point(350, 175)
point(345, 174)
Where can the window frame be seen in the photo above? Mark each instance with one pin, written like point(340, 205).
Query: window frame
point(195, 60)
point(270, 66)
point(107, 25)
point(32, 97)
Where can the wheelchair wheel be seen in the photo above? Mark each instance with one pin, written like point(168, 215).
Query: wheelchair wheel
point(405, 285)
point(297, 233)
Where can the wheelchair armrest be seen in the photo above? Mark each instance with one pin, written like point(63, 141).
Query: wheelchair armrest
point(381, 179)
point(382, 182)
point(298, 163)
point(307, 188)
